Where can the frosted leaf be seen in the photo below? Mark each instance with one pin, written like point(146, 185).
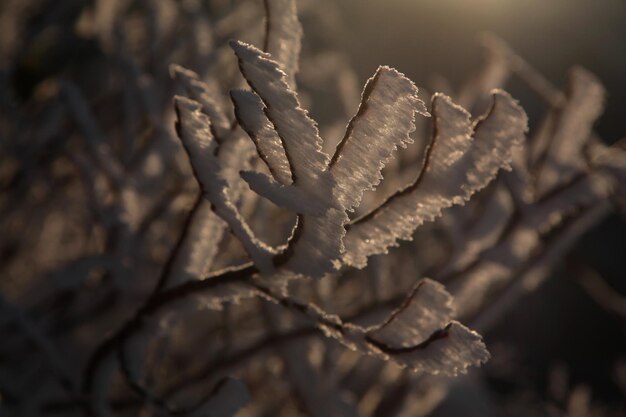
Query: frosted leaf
point(201, 243)
point(399, 215)
point(383, 122)
point(208, 230)
point(292, 198)
point(249, 110)
point(298, 131)
point(322, 191)
point(318, 245)
point(419, 335)
point(195, 257)
point(427, 309)
point(455, 167)
point(228, 397)
point(194, 130)
point(496, 136)
point(235, 153)
point(564, 157)
point(449, 351)
point(283, 35)
point(201, 92)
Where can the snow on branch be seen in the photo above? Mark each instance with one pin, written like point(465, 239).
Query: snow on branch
point(460, 160)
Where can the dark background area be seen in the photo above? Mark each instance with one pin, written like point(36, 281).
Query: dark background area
point(424, 38)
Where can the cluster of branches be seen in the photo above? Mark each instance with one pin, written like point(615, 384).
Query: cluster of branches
point(152, 250)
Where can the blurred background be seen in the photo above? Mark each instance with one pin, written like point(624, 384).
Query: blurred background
point(428, 38)
point(558, 340)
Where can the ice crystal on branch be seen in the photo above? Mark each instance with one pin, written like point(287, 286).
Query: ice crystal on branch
point(462, 158)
